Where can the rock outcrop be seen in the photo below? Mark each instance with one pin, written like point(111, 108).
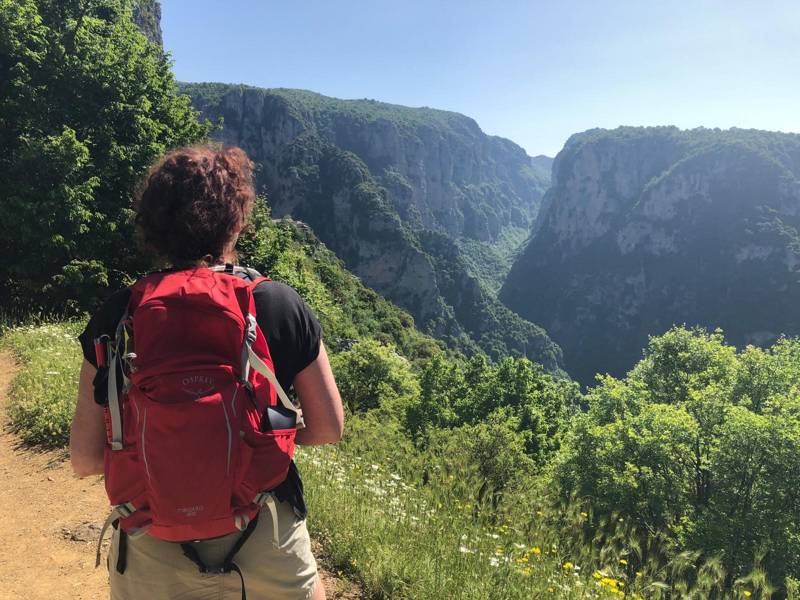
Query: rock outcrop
point(394, 191)
point(147, 16)
point(644, 228)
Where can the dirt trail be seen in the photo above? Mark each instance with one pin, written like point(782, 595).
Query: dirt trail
point(49, 522)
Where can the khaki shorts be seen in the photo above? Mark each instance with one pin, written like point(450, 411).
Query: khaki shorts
point(158, 570)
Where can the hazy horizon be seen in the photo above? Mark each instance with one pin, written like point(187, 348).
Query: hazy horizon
point(531, 72)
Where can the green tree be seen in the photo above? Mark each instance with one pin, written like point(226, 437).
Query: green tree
point(455, 394)
point(700, 446)
point(756, 501)
point(371, 375)
point(86, 104)
point(491, 454)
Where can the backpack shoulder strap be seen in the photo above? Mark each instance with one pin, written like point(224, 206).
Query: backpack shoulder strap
point(259, 280)
point(119, 352)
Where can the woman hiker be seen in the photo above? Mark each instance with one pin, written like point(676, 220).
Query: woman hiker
point(182, 403)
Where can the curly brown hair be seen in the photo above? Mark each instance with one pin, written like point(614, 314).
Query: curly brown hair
point(194, 202)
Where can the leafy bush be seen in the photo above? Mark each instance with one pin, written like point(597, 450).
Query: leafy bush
point(701, 445)
point(454, 394)
point(87, 104)
point(370, 375)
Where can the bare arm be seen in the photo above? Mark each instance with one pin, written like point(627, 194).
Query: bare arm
point(322, 405)
point(88, 434)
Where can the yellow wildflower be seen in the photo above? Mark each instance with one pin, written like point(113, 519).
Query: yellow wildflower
point(535, 550)
point(747, 593)
point(568, 565)
point(622, 561)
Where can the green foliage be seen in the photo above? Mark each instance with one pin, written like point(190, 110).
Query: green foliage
point(530, 401)
point(701, 444)
point(370, 375)
point(411, 523)
point(496, 447)
point(491, 262)
point(86, 104)
point(462, 486)
point(497, 331)
point(792, 589)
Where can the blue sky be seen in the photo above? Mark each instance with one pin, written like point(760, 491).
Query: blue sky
point(531, 71)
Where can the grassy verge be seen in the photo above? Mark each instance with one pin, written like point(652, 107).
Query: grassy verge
point(402, 540)
point(43, 393)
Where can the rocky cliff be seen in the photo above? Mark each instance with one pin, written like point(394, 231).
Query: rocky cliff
point(647, 227)
point(408, 198)
point(147, 16)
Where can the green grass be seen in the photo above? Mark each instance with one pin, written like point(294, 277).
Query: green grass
point(402, 539)
point(405, 541)
point(43, 393)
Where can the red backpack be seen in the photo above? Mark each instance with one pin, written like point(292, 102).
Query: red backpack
point(189, 454)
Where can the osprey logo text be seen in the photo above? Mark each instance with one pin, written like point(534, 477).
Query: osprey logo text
point(190, 511)
point(198, 385)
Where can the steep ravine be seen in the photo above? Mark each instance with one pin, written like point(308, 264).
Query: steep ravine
point(377, 183)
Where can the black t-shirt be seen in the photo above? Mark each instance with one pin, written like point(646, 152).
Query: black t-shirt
point(293, 335)
point(292, 331)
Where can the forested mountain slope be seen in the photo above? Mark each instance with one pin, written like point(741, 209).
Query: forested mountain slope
point(415, 201)
point(647, 227)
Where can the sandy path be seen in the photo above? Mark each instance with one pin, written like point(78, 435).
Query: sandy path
point(42, 506)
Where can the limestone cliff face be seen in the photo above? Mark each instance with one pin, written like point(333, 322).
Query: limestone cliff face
point(649, 227)
point(440, 170)
point(147, 16)
point(375, 182)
